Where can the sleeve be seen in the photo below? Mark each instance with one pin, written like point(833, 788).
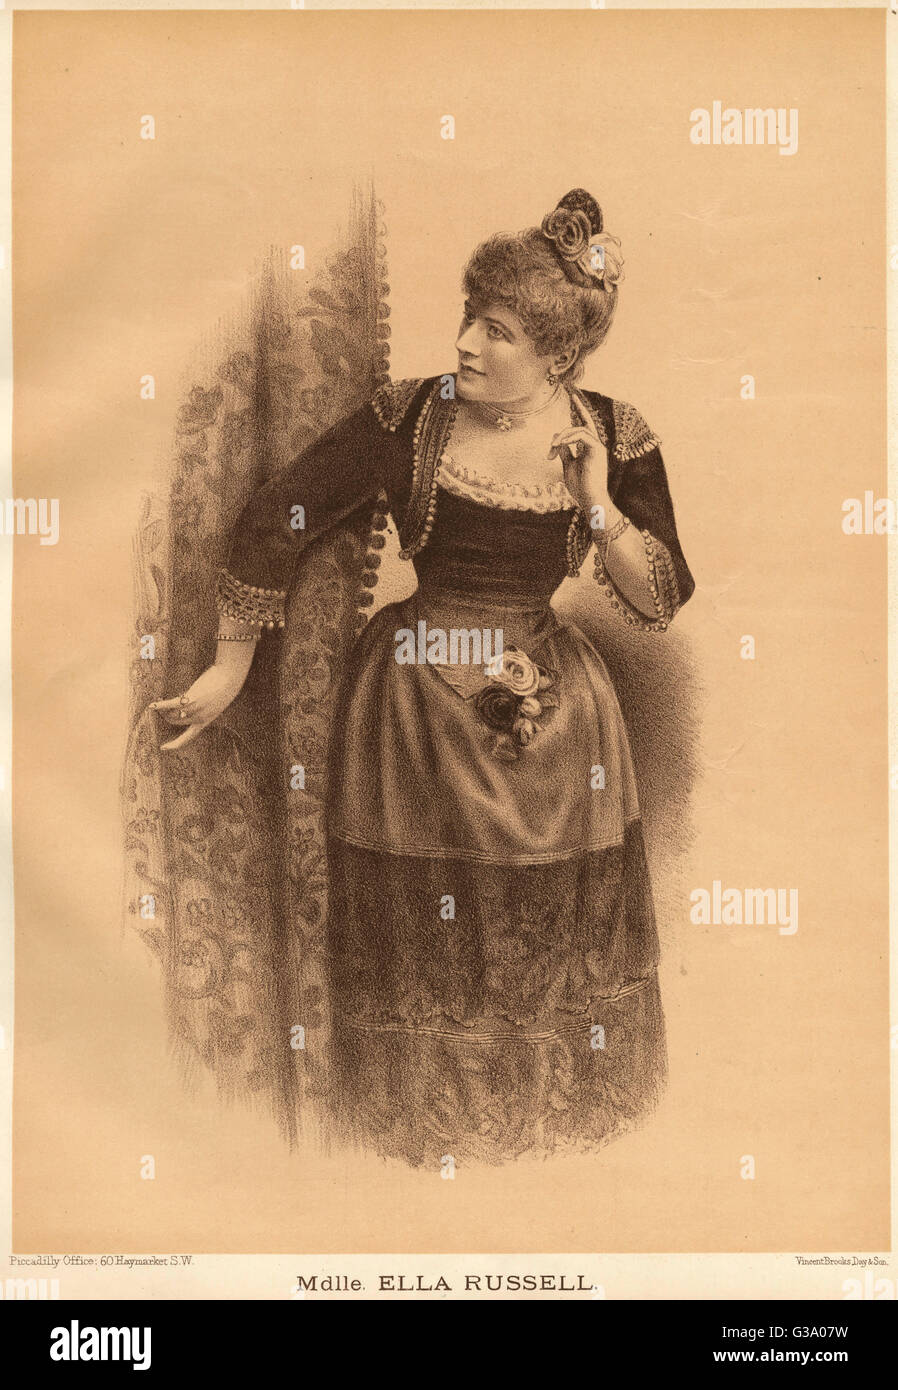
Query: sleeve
point(638, 487)
point(320, 488)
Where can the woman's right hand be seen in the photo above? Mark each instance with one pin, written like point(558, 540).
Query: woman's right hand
point(210, 694)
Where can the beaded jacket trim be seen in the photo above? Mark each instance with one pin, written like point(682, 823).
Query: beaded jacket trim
point(433, 430)
point(662, 586)
point(632, 435)
point(392, 400)
point(579, 539)
point(373, 558)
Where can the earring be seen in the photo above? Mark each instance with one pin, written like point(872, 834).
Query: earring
point(551, 378)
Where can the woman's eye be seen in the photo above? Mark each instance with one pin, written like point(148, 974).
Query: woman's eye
point(496, 332)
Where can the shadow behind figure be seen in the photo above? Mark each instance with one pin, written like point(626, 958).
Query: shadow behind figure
point(489, 952)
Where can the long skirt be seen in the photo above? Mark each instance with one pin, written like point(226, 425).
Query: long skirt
point(491, 936)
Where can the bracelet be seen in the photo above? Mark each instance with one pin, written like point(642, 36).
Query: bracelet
point(618, 528)
point(237, 637)
point(604, 538)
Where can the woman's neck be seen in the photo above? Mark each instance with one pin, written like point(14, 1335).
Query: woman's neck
point(517, 413)
point(481, 445)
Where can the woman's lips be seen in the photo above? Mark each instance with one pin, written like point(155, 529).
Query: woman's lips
point(473, 370)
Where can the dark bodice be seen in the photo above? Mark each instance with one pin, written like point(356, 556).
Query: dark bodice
point(494, 553)
point(391, 449)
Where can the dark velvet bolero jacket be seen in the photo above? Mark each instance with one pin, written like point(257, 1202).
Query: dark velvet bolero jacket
point(389, 449)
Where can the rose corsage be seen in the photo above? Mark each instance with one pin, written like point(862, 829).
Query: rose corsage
point(512, 704)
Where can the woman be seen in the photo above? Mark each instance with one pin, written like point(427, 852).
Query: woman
point(492, 948)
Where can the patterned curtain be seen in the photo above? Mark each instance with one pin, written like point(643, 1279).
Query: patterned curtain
point(226, 872)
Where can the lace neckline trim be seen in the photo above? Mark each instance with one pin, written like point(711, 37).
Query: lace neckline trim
point(519, 497)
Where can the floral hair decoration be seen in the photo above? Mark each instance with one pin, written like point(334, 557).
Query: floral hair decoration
point(590, 256)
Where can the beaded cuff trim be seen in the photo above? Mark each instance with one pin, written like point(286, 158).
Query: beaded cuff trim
point(393, 399)
point(667, 578)
point(662, 585)
point(247, 603)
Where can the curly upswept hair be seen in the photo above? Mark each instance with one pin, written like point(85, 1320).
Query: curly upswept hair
point(530, 273)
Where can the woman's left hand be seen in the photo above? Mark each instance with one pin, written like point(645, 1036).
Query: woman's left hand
point(584, 459)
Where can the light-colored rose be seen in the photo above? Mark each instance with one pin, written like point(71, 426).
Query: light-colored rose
point(602, 260)
point(516, 672)
point(530, 707)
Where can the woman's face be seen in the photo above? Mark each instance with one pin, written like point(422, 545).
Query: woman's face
point(496, 359)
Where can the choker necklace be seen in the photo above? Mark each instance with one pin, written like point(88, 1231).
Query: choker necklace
point(505, 419)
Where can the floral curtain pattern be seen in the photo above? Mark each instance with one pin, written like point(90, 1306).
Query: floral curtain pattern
point(226, 872)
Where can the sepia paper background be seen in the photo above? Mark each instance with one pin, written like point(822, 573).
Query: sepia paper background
point(739, 261)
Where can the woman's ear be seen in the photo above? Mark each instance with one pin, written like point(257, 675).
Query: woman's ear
point(564, 361)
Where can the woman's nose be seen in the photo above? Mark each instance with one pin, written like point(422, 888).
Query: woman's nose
point(468, 340)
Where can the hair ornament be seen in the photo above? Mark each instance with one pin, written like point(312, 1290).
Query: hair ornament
point(590, 257)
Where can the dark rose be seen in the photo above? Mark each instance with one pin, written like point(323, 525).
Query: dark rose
point(497, 706)
point(570, 230)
